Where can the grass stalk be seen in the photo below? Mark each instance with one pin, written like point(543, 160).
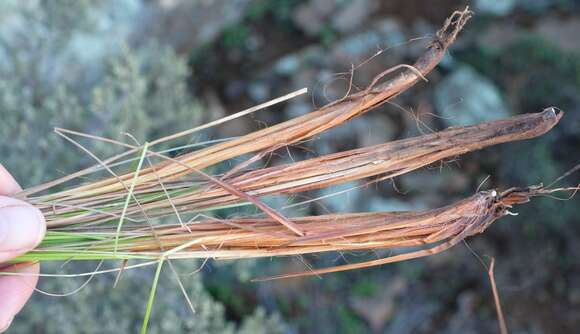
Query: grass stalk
point(130, 194)
point(151, 297)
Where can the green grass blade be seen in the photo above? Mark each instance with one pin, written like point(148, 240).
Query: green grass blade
point(130, 194)
point(151, 297)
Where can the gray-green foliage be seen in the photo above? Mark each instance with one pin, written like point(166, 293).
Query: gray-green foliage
point(99, 308)
point(49, 77)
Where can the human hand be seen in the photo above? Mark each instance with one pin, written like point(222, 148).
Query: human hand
point(22, 227)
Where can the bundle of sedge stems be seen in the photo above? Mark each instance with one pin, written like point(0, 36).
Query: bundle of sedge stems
point(114, 218)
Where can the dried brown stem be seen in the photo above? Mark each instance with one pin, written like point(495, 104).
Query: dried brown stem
point(472, 216)
point(388, 160)
point(500, 317)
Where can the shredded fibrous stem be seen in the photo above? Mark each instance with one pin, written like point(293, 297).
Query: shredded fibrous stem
point(384, 161)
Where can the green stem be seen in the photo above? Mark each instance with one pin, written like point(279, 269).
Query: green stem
point(151, 297)
point(131, 189)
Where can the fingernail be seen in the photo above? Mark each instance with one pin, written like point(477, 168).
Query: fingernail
point(4, 327)
point(22, 228)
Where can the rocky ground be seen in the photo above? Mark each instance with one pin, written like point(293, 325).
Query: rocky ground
point(223, 56)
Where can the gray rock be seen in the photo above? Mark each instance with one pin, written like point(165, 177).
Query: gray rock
point(102, 29)
point(353, 15)
point(539, 5)
point(293, 64)
point(411, 315)
point(298, 107)
point(187, 24)
point(375, 129)
point(308, 20)
point(379, 309)
point(359, 132)
point(311, 17)
point(259, 91)
point(391, 31)
point(495, 7)
point(562, 32)
point(340, 198)
point(287, 64)
point(359, 44)
point(284, 204)
point(466, 97)
point(381, 204)
point(324, 7)
point(384, 34)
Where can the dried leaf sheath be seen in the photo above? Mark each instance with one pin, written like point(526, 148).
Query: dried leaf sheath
point(389, 160)
point(327, 233)
point(486, 206)
point(434, 230)
point(393, 158)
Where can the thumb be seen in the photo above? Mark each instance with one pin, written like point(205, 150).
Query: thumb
point(22, 227)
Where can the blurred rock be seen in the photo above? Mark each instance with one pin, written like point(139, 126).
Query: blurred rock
point(383, 34)
point(280, 202)
point(498, 36)
point(462, 322)
point(298, 107)
point(235, 89)
point(539, 5)
point(558, 31)
point(561, 32)
point(340, 198)
point(391, 31)
point(360, 132)
point(324, 7)
point(466, 97)
point(413, 316)
point(259, 91)
point(312, 16)
point(495, 7)
point(185, 24)
point(379, 309)
point(381, 204)
point(294, 63)
point(74, 39)
point(375, 129)
point(287, 64)
point(442, 178)
point(353, 15)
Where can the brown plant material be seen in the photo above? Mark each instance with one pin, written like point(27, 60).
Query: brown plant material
point(443, 228)
point(387, 160)
point(178, 186)
point(433, 231)
point(503, 329)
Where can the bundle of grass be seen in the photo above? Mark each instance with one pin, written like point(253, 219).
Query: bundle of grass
point(118, 225)
point(117, 217)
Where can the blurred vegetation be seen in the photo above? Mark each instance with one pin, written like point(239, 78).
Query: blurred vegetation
point(141, 91)
point(100, 308)
point(552, 75)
